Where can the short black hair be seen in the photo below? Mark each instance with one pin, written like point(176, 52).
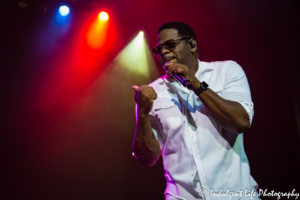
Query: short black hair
point(184, 30)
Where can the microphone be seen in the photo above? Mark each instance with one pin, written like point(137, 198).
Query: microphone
point(180, 78)
point(184, 81)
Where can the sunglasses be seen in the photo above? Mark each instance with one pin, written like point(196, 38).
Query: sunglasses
point(169, 45)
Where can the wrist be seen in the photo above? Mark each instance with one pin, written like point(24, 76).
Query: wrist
point(141, 114)
point(196, 85)
point(194, 82)
point(203, 86)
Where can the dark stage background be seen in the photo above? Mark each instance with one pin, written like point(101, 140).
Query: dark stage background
point(66, 133)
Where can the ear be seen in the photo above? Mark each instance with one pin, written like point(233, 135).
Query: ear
point(193, 44)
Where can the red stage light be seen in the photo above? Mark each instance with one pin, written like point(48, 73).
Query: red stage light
point(103, 16)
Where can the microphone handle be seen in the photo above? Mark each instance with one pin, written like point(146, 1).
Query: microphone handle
point(184, 81)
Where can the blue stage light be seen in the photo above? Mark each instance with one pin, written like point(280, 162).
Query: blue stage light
point(64, 10)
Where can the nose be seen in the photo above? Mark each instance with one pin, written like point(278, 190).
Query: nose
point(164, 51)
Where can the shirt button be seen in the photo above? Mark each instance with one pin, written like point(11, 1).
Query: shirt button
point(192, 174)
point(195, 156)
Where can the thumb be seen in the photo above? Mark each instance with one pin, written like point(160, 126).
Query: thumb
point(135, 87)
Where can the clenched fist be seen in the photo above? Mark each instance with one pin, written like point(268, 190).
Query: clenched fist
point(144, 97)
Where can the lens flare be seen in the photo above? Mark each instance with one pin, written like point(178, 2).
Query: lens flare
point(103, 16)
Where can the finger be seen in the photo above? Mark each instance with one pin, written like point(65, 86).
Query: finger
point(145, 90)
point(172, 69)
point(176, 69)
point(135, 87)
point(170, 63)
point(154, 95)
point(179, 70)
point(142, 87)
point(167, 66)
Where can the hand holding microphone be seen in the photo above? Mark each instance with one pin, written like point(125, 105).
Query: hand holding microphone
point(181, 73)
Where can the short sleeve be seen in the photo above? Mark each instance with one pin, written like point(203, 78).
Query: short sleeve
point(236, 87)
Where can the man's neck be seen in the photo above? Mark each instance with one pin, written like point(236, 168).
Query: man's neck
point(194, 67)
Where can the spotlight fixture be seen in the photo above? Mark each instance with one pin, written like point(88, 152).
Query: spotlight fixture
point(64, 10)
point(103, 16)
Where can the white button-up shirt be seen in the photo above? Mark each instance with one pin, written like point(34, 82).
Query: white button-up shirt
point(193, 146)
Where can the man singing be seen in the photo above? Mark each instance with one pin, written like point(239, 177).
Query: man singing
point(196, 125)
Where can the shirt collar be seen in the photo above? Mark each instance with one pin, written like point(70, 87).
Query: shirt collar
point(203, 67)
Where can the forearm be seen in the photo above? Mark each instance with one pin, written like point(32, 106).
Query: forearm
point(145, 146)
point(228, 114)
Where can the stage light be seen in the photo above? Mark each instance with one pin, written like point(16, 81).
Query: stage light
point(64, 10)
point(136, 57)
point(139, 40)
point(103, 16)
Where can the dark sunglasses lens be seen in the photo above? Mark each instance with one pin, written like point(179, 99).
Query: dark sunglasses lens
point(170, 45)
point(156, 50)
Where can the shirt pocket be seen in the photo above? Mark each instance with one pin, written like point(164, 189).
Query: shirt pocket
point(167, 114)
